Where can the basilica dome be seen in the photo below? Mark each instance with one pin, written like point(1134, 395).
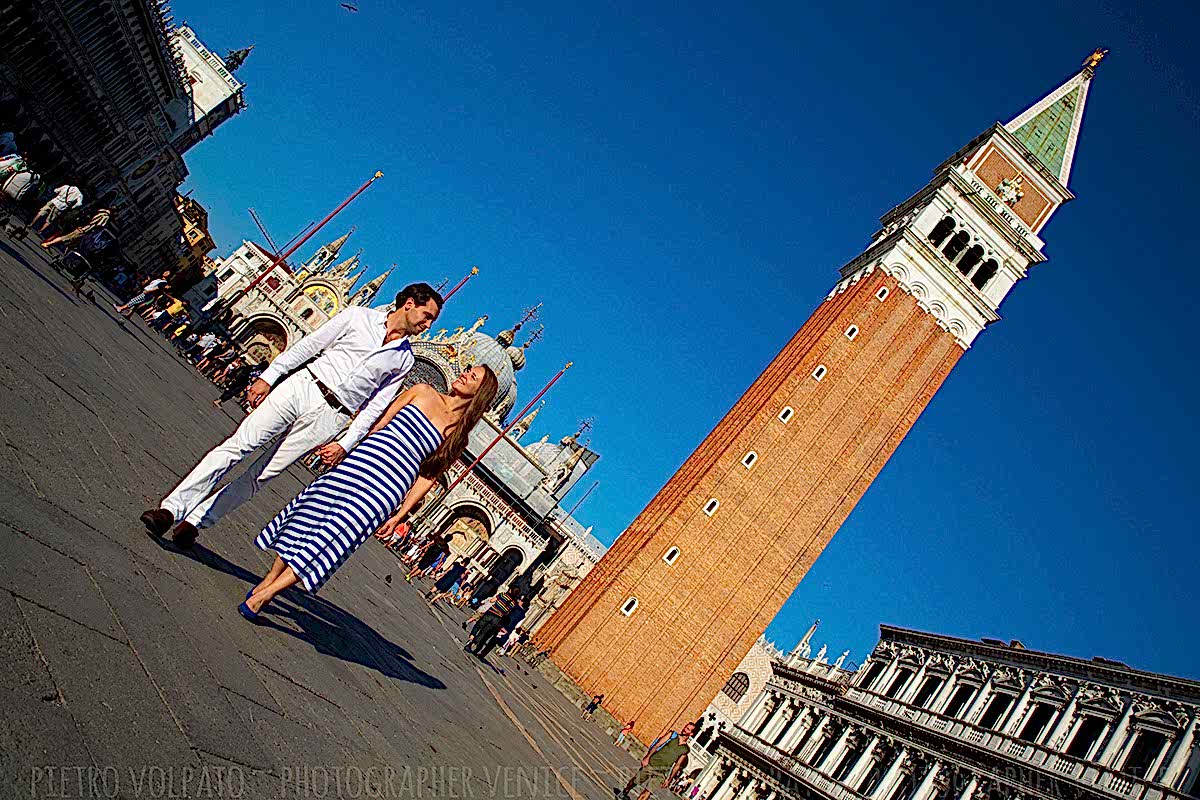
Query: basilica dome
point(487, 350)
point(441, 359)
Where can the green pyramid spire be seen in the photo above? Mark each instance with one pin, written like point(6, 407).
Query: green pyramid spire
point(1050, 127)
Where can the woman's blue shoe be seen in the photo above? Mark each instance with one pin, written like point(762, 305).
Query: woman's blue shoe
point(245, 611)
point(249, 592)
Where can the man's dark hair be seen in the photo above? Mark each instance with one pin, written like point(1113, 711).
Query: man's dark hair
point(420, 293)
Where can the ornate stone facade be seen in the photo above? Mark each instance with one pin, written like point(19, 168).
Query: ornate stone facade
point(288, 304)
point(504, 520)
point(753, 507)
point(932, 717)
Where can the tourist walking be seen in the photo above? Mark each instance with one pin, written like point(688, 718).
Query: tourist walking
point(99, 220)
point(450, 576)
point(626, 729)
point(663, 763)
point(237, 380)
point(151, 292)
point(64, 198)
point(490, 622)
point(510, 621)
point(591, 707)
point(412, 444)
point(354, 362)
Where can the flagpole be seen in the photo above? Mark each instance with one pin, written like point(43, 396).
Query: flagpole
point(279, 259)
point(474, 271)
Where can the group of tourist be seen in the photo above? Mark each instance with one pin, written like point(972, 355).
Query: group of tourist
point(59, 209)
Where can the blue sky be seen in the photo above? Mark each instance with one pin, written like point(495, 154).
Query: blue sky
point(680, 189)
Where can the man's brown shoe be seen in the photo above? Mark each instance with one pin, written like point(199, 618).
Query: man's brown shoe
point(157, 521)
point(184, 535)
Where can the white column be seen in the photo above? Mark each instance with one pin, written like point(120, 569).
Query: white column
point(863, 764)
point(748, 791)
point(801, 724)
point(815, 740)
point(831, 758)
point(1017, 712)
point(757, 711)
point(724, 790)
point(970, 790)
point(1179, 755)
point(888, 781)
point(978, 701)
point(938, 704)
point(914, 685)
point(793, 715)
point(778, 719)
point(1116, 739)
point(925, 788)
point(1063, 723)
point(885, 678)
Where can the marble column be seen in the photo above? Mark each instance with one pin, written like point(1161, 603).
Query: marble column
point(863, 764)
point(977, 702)
point(1063, 723)
point(925, 788)
point(943, 695)
point(748, 790)
point(765, 717)
point(830, 762)
point(815, 740)
point(914, 685)
point(885, 678)
point(1179, 755)
point(1117, 736)
point(1017, 713)
point(726, 788)
point(757, 712)
point(715, 776)
point(779, 717)
point(799, 726)
point(888, 781)
point(793, 717)
point(969, 791)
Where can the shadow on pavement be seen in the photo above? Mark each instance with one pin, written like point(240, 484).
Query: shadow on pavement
point(331, 630)
point(21, 259)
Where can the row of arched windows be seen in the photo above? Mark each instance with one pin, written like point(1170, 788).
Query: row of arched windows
point(968, 260)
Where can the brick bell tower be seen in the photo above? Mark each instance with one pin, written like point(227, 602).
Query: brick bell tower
point(662, 621)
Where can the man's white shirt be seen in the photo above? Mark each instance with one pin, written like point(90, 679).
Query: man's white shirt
point(66, 196)
point(354, 363)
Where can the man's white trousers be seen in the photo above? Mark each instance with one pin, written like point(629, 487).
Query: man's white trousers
point(294, 414)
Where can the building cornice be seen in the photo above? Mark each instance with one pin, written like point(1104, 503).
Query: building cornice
point(1109, 672)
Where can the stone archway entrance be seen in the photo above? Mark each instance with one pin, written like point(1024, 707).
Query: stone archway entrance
point(465, 530)
point(505, 566)
point(263, 339)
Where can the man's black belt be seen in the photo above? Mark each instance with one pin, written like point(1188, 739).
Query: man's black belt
point(328, 394)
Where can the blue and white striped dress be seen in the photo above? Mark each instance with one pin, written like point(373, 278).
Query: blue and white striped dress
point(327, 522)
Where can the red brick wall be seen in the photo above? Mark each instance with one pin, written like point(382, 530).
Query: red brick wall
point(698, 618)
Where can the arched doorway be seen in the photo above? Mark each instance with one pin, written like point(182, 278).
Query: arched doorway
point(263, 339)
point(465, 529)
point(505, 566)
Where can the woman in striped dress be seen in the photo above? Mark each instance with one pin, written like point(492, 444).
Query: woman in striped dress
point(416, 439)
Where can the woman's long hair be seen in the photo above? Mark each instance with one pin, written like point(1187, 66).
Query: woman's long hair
point(454, 440)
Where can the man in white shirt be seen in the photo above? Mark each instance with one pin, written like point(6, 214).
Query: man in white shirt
point(354, 362)
point(64, 198)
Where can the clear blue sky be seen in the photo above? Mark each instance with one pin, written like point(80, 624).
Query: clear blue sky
point(680, 189)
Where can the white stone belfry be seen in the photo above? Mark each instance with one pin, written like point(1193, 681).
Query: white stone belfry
point(961, 243)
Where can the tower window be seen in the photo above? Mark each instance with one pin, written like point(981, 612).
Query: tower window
point(749, 459)
point(970, 259)
point(819, 372)
point(882, 293)
point(984, 273)
point(630, 606)
point(851, 332)
point(956, 245)
point(941, 231)
point(671, 556)
point(735, 688)
point(786, 414)
point(710, 507)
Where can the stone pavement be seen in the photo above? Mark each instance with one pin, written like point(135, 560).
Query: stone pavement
point(125, 670)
